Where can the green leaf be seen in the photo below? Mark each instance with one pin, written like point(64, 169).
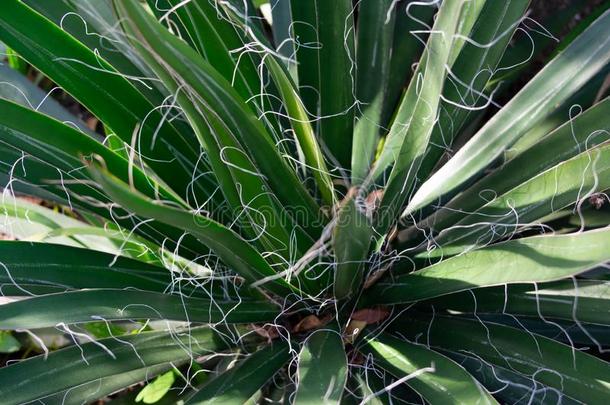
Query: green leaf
point(303, 131)
point(410, 131)
point(559, 187)
point(27, 221)
point(435, 377)
point(210, 94)
point(102, 387)
point(124, 243)
point(591, 218)
point(561, 78)
point(29, 175)
point(351, 241)
point(56, 166)
point(62, 369)
point(228, 245)
point(17, 88)
point(407, 47)
point(27, 130)
point(93, 24)
point(507, 386)
point(585, 301)
point(16, 62)
point(583, 99)
point(472, 70)
point(441, 49)
point(322, 369)
point(242, 381)
point(373, 60)
point(157, 389)
point(324, 33)
point(8, 343)
point(108, 95)
point(111, 304)
point(535, 259)
point(569, 371)
point(583, 132)
point(210, 31)
point(73, 268)
point(102, 330)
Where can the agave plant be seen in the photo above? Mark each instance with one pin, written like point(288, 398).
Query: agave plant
point(312, 202)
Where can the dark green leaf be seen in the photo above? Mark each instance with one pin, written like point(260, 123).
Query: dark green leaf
point(435, 377)
point(322, 369)
point(535, 259)
point(560, 79)
point(242, 381)
point(324, 34)
point(107, 304)
point(40, 376)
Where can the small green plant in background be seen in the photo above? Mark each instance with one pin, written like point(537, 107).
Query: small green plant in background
point(327, 204)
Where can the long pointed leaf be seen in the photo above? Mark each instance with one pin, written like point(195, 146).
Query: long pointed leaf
point(71, 268)
point(583, 132)
point(108, 95)
point(447, 382)
point(325, 50)
point(374, 47)
point(569, 371)
point(559, 187)
point(557, 81)
point(573, 300)
point(41, 376)
point(222, 106)
point(473, 68)
point(111, 304)
point(535, 259)
point(242, 381)
point(322, 369)
point(229, 246)
point(303, 130)
point(415, 119)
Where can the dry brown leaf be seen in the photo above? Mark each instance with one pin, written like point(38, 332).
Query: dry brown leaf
point(371, 315)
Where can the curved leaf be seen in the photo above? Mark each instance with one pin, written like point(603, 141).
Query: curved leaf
point(93, 24)
point(535, 259)
point(585, 301)
point(108, 95)
point(322, 369)
point(241, 382)
point(40, 376)
point(442, 380)
point(569, 371)
point(111, 304)
point(228, 245)
point(303, 131)
point(582, 133)
point(210, 95)
point(563, 76)
point(28, 131)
